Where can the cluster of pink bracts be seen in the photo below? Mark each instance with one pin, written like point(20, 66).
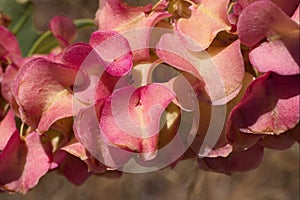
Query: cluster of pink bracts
point(254, 46)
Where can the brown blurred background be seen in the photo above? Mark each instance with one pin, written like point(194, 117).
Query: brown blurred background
point(276, 179)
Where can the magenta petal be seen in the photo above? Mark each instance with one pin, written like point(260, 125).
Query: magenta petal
point(171, 51)
point(3, 51)
point(37, 163)
point(220, 152)
point(117, 15)
point(87, 132)
point(75, 170)
point(235, 162)
point(75, 54)
point(139, 131)
point(278, 142)
point(58, 109)
point(9, 47)
point(56, 159)
point(42, 90)
point(12, 160)
point(1, 74)
point(295, 133)
point(289, 8)
point(267, 20)
point(105, 86)
point(240, 140)
point(8, 77)
point(272, 56)
point(282, 48)
point(6, 90)
point(63, 29)
point(230, 67)
point(270, 106)
point(114, 50)
point(221, 72)
point(76, 149)
point(7, 129)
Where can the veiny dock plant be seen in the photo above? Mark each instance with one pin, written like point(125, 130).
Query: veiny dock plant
point(215, 80)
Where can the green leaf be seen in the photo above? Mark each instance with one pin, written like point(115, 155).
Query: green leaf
point(22, 22)
point(43, 44)
point(14, 9)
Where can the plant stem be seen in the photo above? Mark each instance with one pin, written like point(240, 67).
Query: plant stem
point(21, 21)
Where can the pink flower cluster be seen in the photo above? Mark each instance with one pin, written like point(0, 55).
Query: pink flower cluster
point(88, 108)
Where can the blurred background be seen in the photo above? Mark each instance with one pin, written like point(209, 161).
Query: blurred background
point(276, 179)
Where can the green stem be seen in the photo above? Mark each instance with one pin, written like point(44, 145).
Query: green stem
point(38, 42)
point(82, 23)
point(21, 21)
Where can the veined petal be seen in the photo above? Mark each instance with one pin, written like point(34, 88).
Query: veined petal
point(135, 21)
point(269, 107)
point(115, 13)
point(114, 50)
point(75, 170)
point(87, 132)
point(209, 18)
point(276, 57)
point(76, 149)
point(7, 129)
point(207, 127)
point(9, 47)
point(8, 77)
point(130, 118)
point(288, 8)
point(266, 21)
point(235, 162)
point(58, 107)
point(63, 29)
point(278, 142)
point(282, 48)
point(28, 165)
point(221, 71)
point(41, 89)
point(75, 54)
point(13, 159)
